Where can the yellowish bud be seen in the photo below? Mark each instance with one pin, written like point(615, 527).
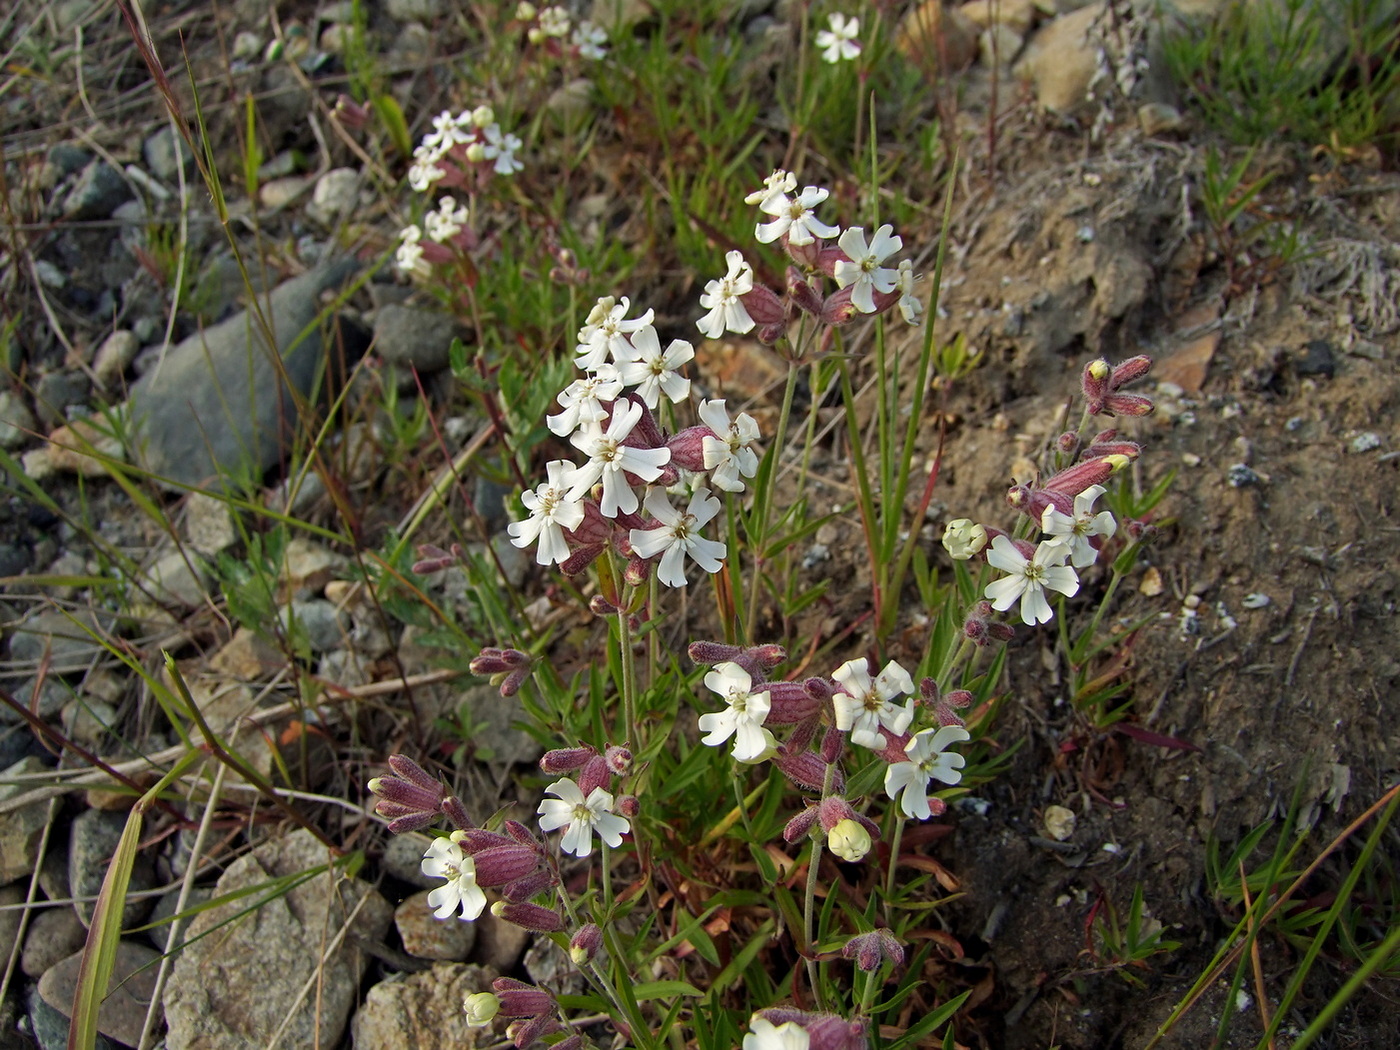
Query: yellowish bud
point(849, 840)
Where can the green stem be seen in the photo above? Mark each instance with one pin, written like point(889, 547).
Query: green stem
point(761, 505)
point(809, 908)
point(629, 673)
point(607, 880)
point(895, 837)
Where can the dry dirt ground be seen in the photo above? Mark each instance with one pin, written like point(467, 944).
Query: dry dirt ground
point(1280, 420)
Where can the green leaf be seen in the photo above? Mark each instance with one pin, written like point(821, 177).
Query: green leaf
point(664, 990)
point(100, 952)
point(391, 116)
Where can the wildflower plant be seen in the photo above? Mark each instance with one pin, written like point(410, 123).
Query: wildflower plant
point(710, 757)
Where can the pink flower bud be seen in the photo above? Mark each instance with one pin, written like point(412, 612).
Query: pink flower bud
point(806, 769)
point(409, 822)
point(790, 703)
point(530, 917)
point(411, 796)
point(594, 774)
point(503, 864)
point(801, 825)
point(1140, 531)
point(771, 333)
point(410, 770)
point(1131, 369)
point(807, 256)
point(688, 447)
point(580, 559)
point(1067, 442)
point(585, 944)
point(833, 744)
point(1128, 405)
point(519, 999)
point(1074, 480)
point(435, 558)
point(528, 888)
point(637, 571)
point(476, 840)
point(456, 812)
point(1098, 449)
point(491, 661)
point(600, 606)
point(628, 805)
point(869, 950)
point(838, 308)
point(928, 691)
point(521, 834)
point(511, 683)
point(526, 1033)
point(350, 113)
point(619, 759)
point(803, 295)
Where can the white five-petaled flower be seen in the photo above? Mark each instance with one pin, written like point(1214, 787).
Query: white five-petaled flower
point(864, 706)
point(582, 400)
point(678, 536)
point(409, 257)
point(553, 511)
point(606, 331)
point(863, 270)
point(502, 148)
point(654, 372)
point(744, 717)
point(447, 221)
point(590, 40)
point(775, 187)
point(425, 170)
point(580, 817)
point(609, 460)
point(723, 299)
point(445, 134)
point(729, 454)
point(765, 1035)
point(908, 781)
point(910, 306)
point(1075, 531)
point(1029, 577)
point(794, 216)
point(445, 860)
point(840, 42)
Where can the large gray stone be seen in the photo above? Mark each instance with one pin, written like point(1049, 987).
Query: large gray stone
point(221, 404)
point(91, 845)
point(424, 1010)
point(411, 337)
point(22, 829)
point(123, 1012)
point(236, 988)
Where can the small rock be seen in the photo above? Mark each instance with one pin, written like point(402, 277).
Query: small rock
point(999, 45)
point(1317, 359)
point(21, 829)
point(288, 162)
point(165, 910)
point(1256, 600)
point(499, 944)
point(50, 276)
point(50, 1027)
point(1367, 441)
point(428, 937)
point(62, 160)
point(78, 448)
point(92, 841)
point(88, 721)
point(571, 103)
point(114, 356)
point(17, 423)
point(123, 1012)
point(278, 193)
point(335, 38)
point(403, 859)
point(425, 1010)
point(1016, 14)
point(1159, 118)
point(11, 911)
point(208, 524)
point(515, 562)
point(247, 656)
point(66, 638)
point(1241, 476)
point(411, 337)
point(54, 934)
point(178, 578)
point(1062, 60)
point(414, 10)
point(220, 997)
point(309, 567)
point(52, 691)
point(166, 154)
point(57, 392)
point(1059, 823)
point(336, 196)
point(247, 45)
point(1151, 584)
point(319, 622)
point(96, 194)
point(937, 39)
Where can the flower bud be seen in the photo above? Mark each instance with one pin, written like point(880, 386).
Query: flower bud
point(849, 841)
point(528, 1032)
point(476, 152)
point(771, 333)
point(350, 113)
point(519, 999)
point(790, 703)
point(585, 944)
point(530, 917)
point(456, 812)
point(964, 538)
point(618, 759)
point(628, 806)
point(688, 447)
point(838, 308)
point(528, 888)
point(525, 11)
point(869, 950)
point(502, 864)
point(833, 744)
point(483, 116)
point(481, 1009)
point(1129, 370)
point(1067, 443)
point(806, 769)
point(403, 823)
point(600, 606)
point(1128, 405)
point(594, 774)
point(566, 759)
point(803, 295)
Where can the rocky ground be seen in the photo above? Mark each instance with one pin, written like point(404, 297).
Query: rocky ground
point(1269, 601)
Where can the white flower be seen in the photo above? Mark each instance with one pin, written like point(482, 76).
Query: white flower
point(722, 299)
point(554, 21)
point(580, 816)
point(910, 305)
point(409, 257)
point(764, 1035)
point(425, 171)
point(503, 149)
point(481, 1009)
point(908, 781)
point(582, 400)
point(678, 536)
point(609, 459)
point(744, 717)
point(865, 706)
point(653, 372)
point(447, 221)
point(1029, 578)
point(605, 332)
point(553, 511)
point(445, 860)
point(849, 840)
point(729, 454)
point(863, 270)
point(964, 538)
point(590, 40)
point(1075, 532)
point(775, 187)
point(794, 217)
point(840, 43)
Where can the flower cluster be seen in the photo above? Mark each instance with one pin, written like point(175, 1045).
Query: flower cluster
point(584, 805)
point(553, 29)
point(608, 416)
point(855, 264)
point(850, 704)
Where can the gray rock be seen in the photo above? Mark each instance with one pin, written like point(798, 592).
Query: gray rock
point(67, 638)
point(49, 1027)
point(320, 622)
point(177, 579)
point(159, 935)
point(11, 900)
point(92, 841)
point(493, 718)
point(166, 153)
point(428, 937)
point(218, 406)
point(220, 997)
point(53, 693)
point(57, 392)
point(499, 944)
point(336, 196)
point(17, 423)
point(63, 159)
point(410, 337)
point(414, 10)
point(514, 561)
point(133, 219)
point(54, 934)
point(96, 194)
point(123, 1011)
point(208, 523)
point(403, 859)
point(114, 356)
point(425, 1009)
point(20, 830)
point(88, 721)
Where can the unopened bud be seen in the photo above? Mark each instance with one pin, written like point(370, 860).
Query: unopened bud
point(1067, 442)
point(519, 999)
point(585, 944)
point(619, 759)
point(964, 538)
point(869, 950)
point(600, 606)
point(481, 1009)
point(849, 841)
point(528, 916)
